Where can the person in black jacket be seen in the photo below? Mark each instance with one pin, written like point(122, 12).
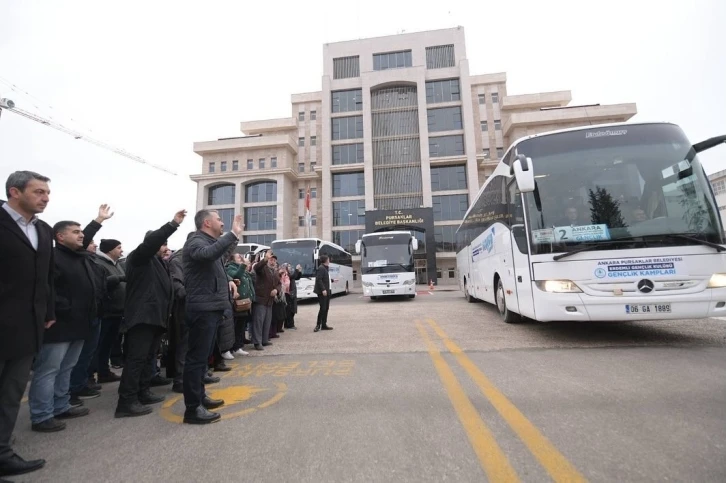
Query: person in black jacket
point(322, 289)
point(149, 297)
point(26, 300)
point(209, 299)
point(76, 305)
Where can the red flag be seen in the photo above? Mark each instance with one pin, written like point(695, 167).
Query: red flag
point(307, 200)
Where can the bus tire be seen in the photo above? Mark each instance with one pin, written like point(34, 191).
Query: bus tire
point(346, 288)
point(412, 296)
point(501, 301)
point(373, 297)
point(467, 295)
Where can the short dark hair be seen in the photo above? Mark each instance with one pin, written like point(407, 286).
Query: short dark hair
point(322, 259)
point(61, 226)
point(20, 180)
point(201, 216)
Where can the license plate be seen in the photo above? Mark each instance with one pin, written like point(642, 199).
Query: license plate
point(389, 291)
point(648, 309)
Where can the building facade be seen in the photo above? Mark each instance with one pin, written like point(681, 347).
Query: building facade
point(718, 184)
point(401, 136)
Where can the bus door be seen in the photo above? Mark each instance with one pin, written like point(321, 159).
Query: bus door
point(520, 254)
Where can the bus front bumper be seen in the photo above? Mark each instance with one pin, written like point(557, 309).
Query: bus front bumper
point(386, 291)
point(583, 307)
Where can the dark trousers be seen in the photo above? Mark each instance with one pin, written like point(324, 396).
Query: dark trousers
point(106, 341)
point(180, 343)
point(240, 326)
point(143, 345)
point(82, 370)
point(290, 313)
point(14, 375)
point(324, 301)
point(202, 327)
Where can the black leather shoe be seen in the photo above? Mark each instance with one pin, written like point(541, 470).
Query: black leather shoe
point(15, 465)
point(317, 328)
point(222, 368)
point(210, 403)
point(51, 425)
point(132, 410)
point(327, 327)
point(148, 397)
point(73, 413)
point(210, 380)
point(178, 388)
point(200, 416)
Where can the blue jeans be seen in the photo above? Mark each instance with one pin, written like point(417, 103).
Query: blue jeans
point(48, 395)
point(81, 373)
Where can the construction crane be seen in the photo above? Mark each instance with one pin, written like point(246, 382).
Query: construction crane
point(9, 105)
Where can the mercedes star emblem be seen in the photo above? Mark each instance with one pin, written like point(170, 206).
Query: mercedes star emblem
point(646, 286)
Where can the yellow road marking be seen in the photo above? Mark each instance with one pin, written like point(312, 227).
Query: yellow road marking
point(491, 457)
point(558, 467)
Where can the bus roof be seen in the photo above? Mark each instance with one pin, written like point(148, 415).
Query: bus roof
point(318, 240)
point(396, 232)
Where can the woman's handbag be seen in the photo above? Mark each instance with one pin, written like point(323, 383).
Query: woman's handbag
point(242, 305)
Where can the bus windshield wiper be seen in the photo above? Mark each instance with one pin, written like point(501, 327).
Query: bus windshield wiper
point(707, 243)
point(591, 246)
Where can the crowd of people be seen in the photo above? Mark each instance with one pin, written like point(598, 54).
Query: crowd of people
point(72, 310)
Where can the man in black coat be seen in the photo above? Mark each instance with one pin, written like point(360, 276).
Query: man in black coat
point(322, 289)
point(149, 297)
point(26, 300)
point(209, 297)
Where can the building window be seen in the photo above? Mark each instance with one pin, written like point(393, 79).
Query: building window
point(301, 141)
point(347, 101)
point(497, 125)
point(261, 218)
point(250, 164)
point(347, 239)
point(313, 193)
point(346, 67)
point(349, 184)
point(445, 236)
point(484, 126)
point(440, 56)
point(347, 127)
point(355, 275)
point(452, 272)
point(313, 140)
point(301, 221)
point(300, 167)
point(260, 239)
point(211, 167)
point(719, 187)
point(438, 273)
point(313, 220)
point(450, 207)
point(392, 60)
point(495, 97)
point(486, 153)
point(301, 116)
point(223, 166)
point(313, 115)
point(262, 163)
point(482, 98)
point(221, 195)
point(445, 178)
point(235, 165)
point(273, 162)
point(346, 213)
point(261, 192)
point(446, 146)
point(226, 214)
point(443, 91)
point(500, 153)
point(347, 154)
point(444, 119)
point(301, 193)
point(312, 166)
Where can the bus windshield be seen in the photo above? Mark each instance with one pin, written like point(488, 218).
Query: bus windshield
point(296, 253)
point(634, 185)
point(386, 254)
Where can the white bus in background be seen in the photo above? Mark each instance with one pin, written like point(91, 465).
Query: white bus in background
point(243, 248)
point(306, 252)
point(386, 263)
point(610, 222)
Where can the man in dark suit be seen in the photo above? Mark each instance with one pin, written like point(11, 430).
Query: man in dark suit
point(26, 300)
point(322, 289)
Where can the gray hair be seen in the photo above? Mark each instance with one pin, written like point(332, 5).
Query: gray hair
point(201, 216)
point(20, 180)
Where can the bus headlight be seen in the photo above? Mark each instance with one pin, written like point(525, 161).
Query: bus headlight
point(558, 286)
point(718, 280)
point(409, 282)
point(367, 284)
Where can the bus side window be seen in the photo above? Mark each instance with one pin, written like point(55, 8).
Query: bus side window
point(516, 216)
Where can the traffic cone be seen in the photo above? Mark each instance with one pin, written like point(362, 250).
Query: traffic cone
point(431, 284)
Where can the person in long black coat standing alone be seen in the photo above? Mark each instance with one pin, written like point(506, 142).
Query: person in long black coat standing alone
point(26, 300)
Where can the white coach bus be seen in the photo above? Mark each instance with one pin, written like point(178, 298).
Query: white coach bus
point(306, 252)
point(386, 263)
point(611, 222)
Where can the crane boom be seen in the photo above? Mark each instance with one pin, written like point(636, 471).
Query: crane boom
point(79, 135)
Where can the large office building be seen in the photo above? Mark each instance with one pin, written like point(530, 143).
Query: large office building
point(400, 136)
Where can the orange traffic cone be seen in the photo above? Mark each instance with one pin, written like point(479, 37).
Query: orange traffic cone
point(431, 284)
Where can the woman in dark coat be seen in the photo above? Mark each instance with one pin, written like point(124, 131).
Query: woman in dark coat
point(238, 269)
point(292, 296)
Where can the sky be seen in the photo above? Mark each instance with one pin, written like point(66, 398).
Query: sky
point(154, 77)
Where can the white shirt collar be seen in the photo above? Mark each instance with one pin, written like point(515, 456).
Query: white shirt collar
point(17, 217)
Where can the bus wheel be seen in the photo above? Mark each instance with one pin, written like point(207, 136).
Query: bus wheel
point(468, 296)
point(508, 316)
point(346, 288)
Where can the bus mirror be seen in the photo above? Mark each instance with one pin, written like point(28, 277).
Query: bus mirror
point(357, 247)
point(414, 244)
point(315, 254)
point(523, 173)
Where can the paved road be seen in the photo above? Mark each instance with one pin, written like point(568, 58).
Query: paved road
point(429, 389)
